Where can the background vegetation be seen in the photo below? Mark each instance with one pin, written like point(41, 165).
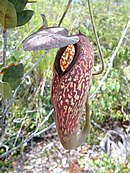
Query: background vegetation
point(33, 102)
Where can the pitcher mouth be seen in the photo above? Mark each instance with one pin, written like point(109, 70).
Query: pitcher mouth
point(60, 53)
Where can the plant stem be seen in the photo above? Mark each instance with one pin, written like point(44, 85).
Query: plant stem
point(68, 5)
point(96, 37)
point(4, 46)
point(2, 122)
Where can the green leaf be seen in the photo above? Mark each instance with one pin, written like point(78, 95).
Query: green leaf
point(5, 90)
point(10, 16)
point(19, 4)
point(103, 88)
point(31, 1)
point(13, 75)
point(10, 20)
point(24, 16)
point(1, 163)
point(3, 8)
point(117, 87)
point(112, 85)
point(92, 89)
point(13, 1)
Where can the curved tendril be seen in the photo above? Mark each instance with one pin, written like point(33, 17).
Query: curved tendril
point(97, 39)
point(68, 5)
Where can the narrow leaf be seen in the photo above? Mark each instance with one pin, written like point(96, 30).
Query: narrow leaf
point(5, 90)
point(23, 17)
point(48, 38)
point(31, 1)
point(13, 75)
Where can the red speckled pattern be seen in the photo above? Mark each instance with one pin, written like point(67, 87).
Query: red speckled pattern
point(70, 88)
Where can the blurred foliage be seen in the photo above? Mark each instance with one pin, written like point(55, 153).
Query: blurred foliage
point(33, 102)
point(12, 14)
point(107, 164)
